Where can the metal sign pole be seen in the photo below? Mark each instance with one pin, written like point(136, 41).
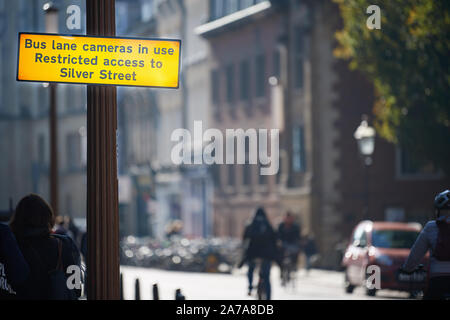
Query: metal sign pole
point(102, 198)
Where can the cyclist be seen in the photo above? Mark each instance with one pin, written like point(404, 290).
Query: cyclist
point(290, 237)
point(261, 239)
point(435, 237)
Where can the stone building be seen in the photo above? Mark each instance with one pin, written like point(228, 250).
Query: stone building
point(160, 191)
point(322, 178)
point(24, 123)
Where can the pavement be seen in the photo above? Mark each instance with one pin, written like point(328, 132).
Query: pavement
point(316, 285)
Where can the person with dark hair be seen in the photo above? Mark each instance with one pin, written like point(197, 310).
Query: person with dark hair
point(47, 254)
point(260, 239)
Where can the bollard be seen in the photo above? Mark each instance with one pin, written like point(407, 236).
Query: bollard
point(121, 286)
point(137, 290)
point(155, 292)
point(179, 295)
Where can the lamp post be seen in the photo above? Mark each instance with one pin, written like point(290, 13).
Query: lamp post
point(365, 138)
point(51, 26)
point(103, 272)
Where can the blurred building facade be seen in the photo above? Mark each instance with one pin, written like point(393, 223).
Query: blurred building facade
point(322, 178)
point(155, 191)
point(24, 120)
point(244, 52)
point(230, 49)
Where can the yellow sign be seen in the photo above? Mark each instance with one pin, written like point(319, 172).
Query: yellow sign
point(99, 60)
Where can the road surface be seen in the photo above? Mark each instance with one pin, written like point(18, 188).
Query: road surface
point(318, 284)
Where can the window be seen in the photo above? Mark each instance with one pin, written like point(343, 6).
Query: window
point(245, 79)
point(231, 173)
point(298, 58)
point(260, 75)
point(398, 239)
point(216, 9)
point(122, 20)
point(280, 169)
point(298, 152)
point(69, 206)
point(41, 149)
point(262, 149)
point(215, 171)
point(394, 214)
point(215, 86)
point(73, 145)
point(246, 3)
point(247, 169)
point(360, 238)
point(234, 5)
point(262, 179)
point(146, 10)
point(230, 83)
point(411, 165)
point(276, 64)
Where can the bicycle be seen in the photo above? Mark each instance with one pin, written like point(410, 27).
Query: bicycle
point(262, 287)
point(289, 265)
point(415, 279)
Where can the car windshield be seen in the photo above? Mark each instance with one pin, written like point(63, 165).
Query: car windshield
point(399, 239)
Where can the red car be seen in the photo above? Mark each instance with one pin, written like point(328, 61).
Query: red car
point(385, 245)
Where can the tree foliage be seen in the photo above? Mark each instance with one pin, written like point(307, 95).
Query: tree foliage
point(408, 62)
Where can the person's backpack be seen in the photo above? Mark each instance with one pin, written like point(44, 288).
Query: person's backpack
point(442, 250)
point(58, 289)
point(57, 280)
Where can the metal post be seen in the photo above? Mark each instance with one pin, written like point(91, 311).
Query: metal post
point(102, 204)
point(137, 290)
point(366, 188)
point(51, 26)
point(121, 286)
point(155, 291)
point(53, 150)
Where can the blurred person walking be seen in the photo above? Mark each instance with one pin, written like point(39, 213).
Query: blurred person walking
point(73, 231)
point(289, 234)
point(48, 255)
point(435, 237)
point(260, 242)
point(60, 226)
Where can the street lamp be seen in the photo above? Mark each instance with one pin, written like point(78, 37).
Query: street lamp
point(51, 17)
point(365, 137)
point(51, 26)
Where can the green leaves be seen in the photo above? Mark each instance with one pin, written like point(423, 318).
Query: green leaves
point(408, 62)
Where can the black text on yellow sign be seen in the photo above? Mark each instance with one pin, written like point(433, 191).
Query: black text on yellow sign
point(99, 60)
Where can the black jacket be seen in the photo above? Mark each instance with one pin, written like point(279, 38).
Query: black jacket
point(261, 241)
point(13, 268)
point(289, 234)
point(41, 253)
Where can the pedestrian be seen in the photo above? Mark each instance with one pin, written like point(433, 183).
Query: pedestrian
point(48, 255)
point(60, 226)
point(435, 237)
point(73, 231)
point(14, 269)
point(289, 234)
point(261, 240)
